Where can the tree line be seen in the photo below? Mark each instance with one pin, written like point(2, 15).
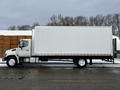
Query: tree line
point(23, 27)
point(98, 20)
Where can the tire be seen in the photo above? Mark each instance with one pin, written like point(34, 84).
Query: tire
point(81, 63)
point(11, 62)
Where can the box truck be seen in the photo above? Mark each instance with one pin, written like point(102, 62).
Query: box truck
point(78, 43)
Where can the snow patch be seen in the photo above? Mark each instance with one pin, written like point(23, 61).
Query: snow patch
point(15, 33)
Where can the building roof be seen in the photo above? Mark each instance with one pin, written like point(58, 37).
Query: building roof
point(15, 33)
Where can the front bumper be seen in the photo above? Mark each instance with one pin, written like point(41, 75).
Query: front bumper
point(3, 58)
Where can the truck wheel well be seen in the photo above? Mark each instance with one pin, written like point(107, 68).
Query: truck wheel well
point(13, 57)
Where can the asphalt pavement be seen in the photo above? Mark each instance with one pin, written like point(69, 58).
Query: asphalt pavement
point(61, 76)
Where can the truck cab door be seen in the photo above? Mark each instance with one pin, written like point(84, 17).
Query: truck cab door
point(25, 48)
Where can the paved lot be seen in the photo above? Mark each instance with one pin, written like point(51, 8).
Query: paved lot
point(104, 76)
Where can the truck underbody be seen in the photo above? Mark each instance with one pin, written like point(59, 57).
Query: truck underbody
point(75, 59)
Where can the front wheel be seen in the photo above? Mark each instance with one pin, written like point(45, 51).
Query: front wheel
point(81, 63)
point(11, 62)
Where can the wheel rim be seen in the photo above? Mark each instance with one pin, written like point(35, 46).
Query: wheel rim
point(11, 62)
point(81, 62)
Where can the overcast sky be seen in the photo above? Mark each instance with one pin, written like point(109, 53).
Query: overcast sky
point(19, 12)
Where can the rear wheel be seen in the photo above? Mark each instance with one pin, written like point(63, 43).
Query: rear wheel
point(81, 63)
point(11, 62)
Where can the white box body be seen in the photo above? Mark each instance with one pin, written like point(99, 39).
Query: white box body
point(72, 41)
